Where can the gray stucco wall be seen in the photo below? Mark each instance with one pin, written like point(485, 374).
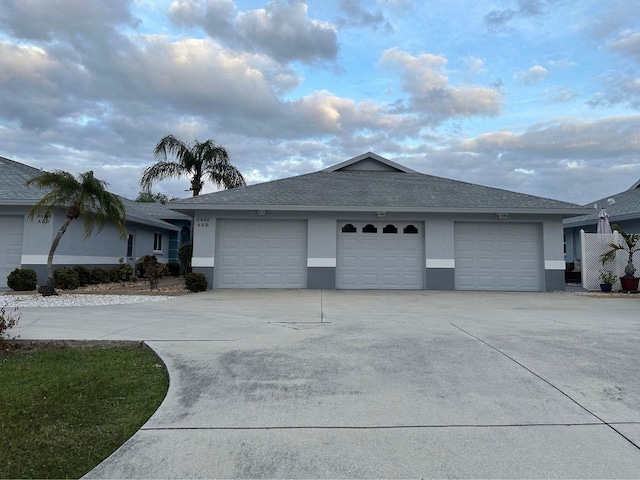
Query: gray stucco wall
point(321, 278)
point(439, 242)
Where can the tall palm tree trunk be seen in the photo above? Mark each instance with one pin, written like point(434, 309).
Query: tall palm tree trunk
point(52, 250)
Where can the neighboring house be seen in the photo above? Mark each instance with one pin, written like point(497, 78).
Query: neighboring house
point(623, 209)
point(25, 243)
point(370, 223)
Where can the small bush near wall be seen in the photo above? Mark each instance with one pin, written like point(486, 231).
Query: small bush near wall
point(66, 278)
point(100, 275)
point(84, 275)
point(185, 252)
point(174, 269)
point(22, 279)
point(195, 282)
point(121, 273)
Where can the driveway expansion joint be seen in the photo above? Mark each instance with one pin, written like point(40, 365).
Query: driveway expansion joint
point(610, 425)
point(380, 427)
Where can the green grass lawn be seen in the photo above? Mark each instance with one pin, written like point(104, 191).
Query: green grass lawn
point(64, 410)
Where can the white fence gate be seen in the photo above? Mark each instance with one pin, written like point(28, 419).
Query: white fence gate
point(594, 245)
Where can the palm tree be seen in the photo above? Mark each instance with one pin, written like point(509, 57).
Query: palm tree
point(84, 196)
point(198, 160)
point(630, 245)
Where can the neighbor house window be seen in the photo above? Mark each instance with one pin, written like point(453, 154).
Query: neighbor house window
point(130, 245)
point(157, 242)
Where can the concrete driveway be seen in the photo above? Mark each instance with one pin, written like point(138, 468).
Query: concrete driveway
point(345, 384)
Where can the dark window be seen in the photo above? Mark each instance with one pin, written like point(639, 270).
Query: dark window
point(410, 229)
point(390, 229)
point(157, 242)
point(370, 229)
point(348, 228)
point(130, 245)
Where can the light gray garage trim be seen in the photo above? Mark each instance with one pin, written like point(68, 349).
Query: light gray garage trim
point(11, 228)
point(499, 256)
point(261, 254)
point(380, 255)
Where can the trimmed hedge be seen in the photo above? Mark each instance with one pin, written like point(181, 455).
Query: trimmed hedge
point(66, 278)
point(195, 282)
point(22, 280)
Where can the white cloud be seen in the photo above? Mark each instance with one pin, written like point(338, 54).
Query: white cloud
point(284, 31)
point(430, 93)
point(628, 42)
point(535, 74)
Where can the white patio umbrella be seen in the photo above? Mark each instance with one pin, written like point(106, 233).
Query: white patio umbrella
point(603, 222)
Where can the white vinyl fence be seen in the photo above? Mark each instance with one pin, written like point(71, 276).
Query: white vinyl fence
point(594, 245)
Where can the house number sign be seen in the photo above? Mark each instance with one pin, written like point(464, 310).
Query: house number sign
point(203, 222)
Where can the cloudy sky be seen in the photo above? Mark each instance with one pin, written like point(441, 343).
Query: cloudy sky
point(536, 96)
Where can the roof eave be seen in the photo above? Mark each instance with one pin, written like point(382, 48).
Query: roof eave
point(565, 212)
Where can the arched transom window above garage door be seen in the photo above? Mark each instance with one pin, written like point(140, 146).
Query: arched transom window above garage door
point(380, 228)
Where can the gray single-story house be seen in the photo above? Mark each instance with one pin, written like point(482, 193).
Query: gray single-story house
point(370, 223)
point(623, 209)
point(25, 243)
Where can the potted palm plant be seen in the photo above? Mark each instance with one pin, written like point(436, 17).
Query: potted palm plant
point(630, 244)
point(608, 279)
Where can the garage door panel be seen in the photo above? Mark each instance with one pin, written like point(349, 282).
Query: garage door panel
point(11, 228)
point(380, 260)
point(496, 256)
point(261, 254)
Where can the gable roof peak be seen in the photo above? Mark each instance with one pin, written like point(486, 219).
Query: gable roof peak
point(369, 161)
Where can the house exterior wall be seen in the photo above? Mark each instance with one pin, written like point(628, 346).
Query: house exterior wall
point(102, 249)
point(439, 242)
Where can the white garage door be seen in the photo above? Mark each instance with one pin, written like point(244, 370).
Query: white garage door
point(498, 256)
point(10, 245)
point(382, 255)
point(261, 254)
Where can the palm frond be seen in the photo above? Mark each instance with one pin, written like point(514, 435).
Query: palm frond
point(161, 171)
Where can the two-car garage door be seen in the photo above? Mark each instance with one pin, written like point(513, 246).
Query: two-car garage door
point(10, 245)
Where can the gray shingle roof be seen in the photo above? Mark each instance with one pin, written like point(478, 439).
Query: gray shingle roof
point(625, 205)
point(158, 210)
point(13, 176)
point(13, 191)
point(330, 190)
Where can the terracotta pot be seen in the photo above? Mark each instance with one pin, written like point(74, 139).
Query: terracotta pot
point(629, 283)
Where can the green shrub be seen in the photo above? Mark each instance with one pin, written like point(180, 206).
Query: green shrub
point(121, 273)
point(195, 282)
point(66, 278)
point(22, 279)
point(185, 252)
point(149, 267)
point(100, 275)
point(84, 275)
point(174, 269)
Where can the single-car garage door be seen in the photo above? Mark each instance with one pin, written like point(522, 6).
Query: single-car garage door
point(381, 255)
point(10, 245)
point(498, 256)
point(261, 254)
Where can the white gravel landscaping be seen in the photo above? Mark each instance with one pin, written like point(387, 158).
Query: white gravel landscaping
point(72, 300)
